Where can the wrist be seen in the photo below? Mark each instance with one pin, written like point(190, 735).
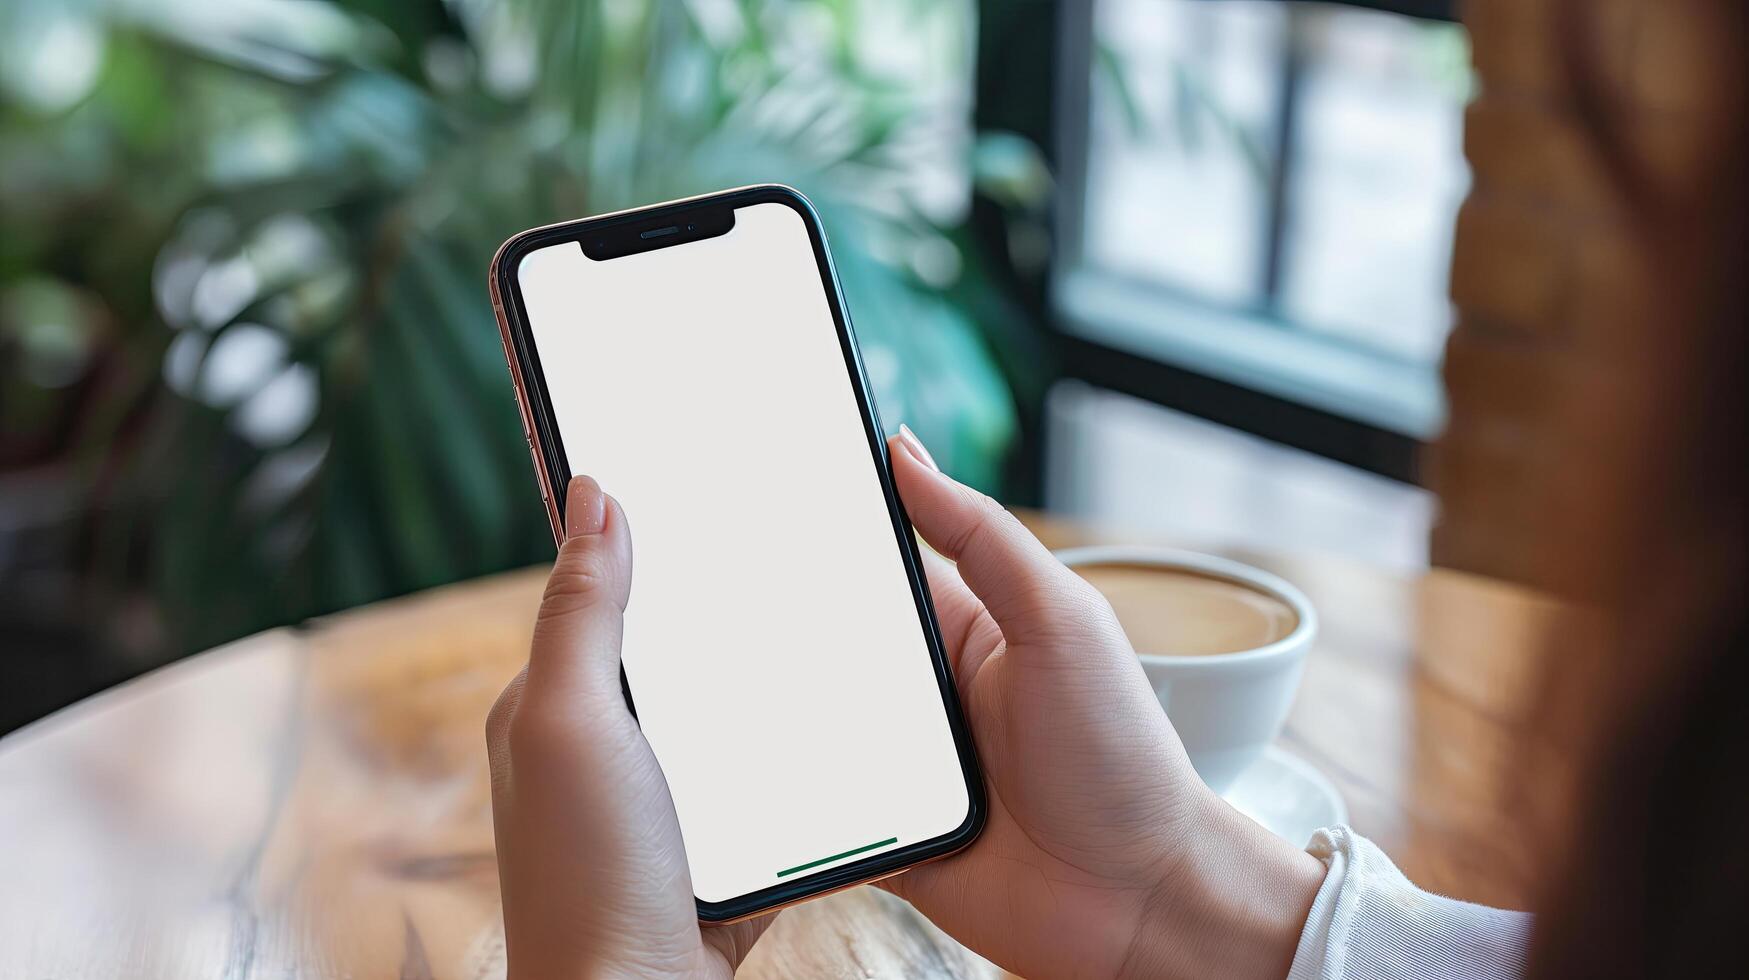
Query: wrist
point(1233, 903)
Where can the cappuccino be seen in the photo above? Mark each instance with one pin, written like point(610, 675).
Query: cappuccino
point(1176, 612)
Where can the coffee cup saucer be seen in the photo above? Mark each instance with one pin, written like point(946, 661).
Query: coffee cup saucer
point(1287, 795)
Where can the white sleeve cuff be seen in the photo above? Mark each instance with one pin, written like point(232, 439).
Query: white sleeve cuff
point(1370, 923)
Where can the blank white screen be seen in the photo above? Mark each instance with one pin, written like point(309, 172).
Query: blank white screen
point(772, 645)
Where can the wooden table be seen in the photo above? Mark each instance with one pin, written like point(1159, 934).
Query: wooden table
point(312, 802)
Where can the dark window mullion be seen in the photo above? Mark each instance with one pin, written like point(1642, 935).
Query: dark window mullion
point(1421, 9)
point(1279, 207)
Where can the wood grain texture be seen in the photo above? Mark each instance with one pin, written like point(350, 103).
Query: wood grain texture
point(313, 802)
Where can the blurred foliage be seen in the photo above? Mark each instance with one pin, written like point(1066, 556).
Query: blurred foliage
point(243, 254)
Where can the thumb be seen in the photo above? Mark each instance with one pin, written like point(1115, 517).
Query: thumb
point(577, 632)
point(1027, 591)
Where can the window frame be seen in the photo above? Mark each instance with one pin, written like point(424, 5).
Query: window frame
point(1244, 369)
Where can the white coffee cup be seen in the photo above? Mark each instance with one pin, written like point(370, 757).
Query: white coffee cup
point(1227, 707)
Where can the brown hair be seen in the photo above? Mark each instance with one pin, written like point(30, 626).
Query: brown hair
point(1650, 873)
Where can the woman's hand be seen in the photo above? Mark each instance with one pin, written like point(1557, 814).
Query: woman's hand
point(594, 877)
point(1104, 854)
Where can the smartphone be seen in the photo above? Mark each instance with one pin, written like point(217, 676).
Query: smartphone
point(781, 652)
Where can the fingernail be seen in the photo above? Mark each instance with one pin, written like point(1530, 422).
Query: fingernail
point(914, 446)
point(585, 507)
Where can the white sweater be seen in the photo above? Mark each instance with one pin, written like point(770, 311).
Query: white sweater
point(1369, 923)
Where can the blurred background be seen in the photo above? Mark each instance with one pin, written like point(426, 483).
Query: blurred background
point(1173, 265)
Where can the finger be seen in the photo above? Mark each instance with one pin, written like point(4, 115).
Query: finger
point(967, 630)
point(955, 606)
point(1028, 592)
point(902, 884)
point(498, 731)
point(736, 941)
point(930, 884)
point(575, 653)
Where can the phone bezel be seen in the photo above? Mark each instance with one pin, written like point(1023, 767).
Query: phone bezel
point(553, 473)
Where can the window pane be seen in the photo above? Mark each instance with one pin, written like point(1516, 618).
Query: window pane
point(1183, 108)
point(1186, 103)
point(1376, 176)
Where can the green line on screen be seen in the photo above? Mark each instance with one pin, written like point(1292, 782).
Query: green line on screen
point(829, 860)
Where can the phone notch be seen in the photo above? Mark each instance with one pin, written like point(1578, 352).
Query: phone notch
point(641, 233)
